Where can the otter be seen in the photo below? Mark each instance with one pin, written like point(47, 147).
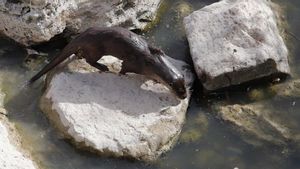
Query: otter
point(138, 57)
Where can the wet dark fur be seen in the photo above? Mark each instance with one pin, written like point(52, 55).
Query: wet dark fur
point(138, 57)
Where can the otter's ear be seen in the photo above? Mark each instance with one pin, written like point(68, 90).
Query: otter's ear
point(155, 51)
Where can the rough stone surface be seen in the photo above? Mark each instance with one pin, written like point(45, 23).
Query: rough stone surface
point(275, 122)
point(234, 41)
point(33, 21)
point(10, 155)
point(115, 115)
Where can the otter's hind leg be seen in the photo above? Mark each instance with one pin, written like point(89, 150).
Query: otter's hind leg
point(128, 66)
point(92, 56)
point(99, 66)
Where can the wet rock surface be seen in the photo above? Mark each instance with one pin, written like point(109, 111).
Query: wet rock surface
point(31, 22)
point(124, 116)
point(262, 121)
point(232, 42)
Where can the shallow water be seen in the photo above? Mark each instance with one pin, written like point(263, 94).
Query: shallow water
point(205, 142)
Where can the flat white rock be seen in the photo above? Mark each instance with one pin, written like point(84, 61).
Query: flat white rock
point(115, 115)
point(33, 21)
point(10, 155)
point(234, 41)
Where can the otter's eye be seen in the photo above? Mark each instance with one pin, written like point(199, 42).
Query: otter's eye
point(183, 89)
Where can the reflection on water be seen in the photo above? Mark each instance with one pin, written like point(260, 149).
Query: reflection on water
point(205, 142)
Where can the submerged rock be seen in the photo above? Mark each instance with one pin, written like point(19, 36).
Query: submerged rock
point(33, 59)
point(115, 115)
point(232, 42)
point(256, 121)
point(289, 89)
point(195, 129)
point(182, 9)
point(11, 156)
point(276, 122)
point(33, 21)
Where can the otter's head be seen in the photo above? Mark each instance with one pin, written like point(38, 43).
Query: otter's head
point(165, 72)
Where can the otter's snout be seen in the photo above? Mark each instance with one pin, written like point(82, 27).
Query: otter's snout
point(181, 93)
point(179, 88)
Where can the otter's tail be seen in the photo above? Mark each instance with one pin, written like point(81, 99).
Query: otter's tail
point(67, 51)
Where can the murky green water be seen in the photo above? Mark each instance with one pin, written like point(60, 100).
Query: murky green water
point(206, 142)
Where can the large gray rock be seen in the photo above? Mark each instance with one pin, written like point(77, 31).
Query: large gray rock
point(11, 155)
point(115, 115)
point(32, 21)
point(234, 41)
